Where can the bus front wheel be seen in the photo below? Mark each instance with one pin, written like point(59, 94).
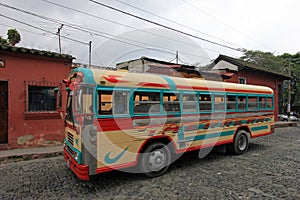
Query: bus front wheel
point(240, 143)
point(155, 160)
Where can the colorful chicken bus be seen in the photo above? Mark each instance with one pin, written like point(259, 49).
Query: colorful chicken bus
point(121, 120)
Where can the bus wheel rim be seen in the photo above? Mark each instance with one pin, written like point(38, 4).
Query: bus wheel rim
point(157, 160)
point(242, 142)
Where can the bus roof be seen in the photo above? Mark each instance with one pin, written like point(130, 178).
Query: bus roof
point(127, 79)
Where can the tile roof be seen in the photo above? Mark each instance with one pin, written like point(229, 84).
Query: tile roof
point(24, 50)
point(250, 66)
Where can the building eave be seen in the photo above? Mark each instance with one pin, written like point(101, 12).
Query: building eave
point(249, 66)
point(27, 51)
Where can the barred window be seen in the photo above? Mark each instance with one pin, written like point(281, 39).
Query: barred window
point(42, 96)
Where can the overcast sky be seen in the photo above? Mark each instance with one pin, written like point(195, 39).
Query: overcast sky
point(266, 25)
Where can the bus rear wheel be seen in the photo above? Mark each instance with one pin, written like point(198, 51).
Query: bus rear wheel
point(240, 144)
point(155, 160)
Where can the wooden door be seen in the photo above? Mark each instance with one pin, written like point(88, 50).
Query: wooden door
point(3, 112)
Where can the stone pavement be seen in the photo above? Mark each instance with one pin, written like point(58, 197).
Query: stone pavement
point(51, 151)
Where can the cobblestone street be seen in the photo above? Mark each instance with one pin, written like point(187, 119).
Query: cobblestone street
point(269, 170)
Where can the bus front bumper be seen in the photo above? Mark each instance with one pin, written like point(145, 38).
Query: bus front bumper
point(81, 171)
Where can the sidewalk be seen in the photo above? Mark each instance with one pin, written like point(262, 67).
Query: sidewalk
point(30, 153)
point(51, 151)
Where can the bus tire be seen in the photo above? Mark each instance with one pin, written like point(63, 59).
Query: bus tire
point(155, 160)
point(240, 144)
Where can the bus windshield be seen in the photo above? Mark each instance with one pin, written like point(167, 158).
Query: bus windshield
point(69, 110)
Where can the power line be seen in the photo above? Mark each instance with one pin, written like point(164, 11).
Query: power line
point(172, 21)
point(98, 33)
point(125, 25)
point(219, 21)
point(9, 26)
point(164, 26)
point(13, 19)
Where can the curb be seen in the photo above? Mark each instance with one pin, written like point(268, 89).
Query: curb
point(285, 124)
point(16, 155)
point(15, 158)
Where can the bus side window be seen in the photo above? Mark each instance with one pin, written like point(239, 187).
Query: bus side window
point(252, 102)
point(219, 102)
point(171, 102)
point(269, 102)
point(146, 102)
point(120, 102)
point(105, 102)
point(242, 102)
point(231, 102)
point(262, 102)
point(205, 102)
point(189, 103)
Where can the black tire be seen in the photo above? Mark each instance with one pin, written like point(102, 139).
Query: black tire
point(285, 120)
point(155, 160)
point(240, 144)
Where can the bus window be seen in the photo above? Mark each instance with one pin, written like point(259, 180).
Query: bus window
point(242, 102)
point(269, 102)
point(205, 102)
point(105, 102)
point(87, 100)
point(146, 102)
point(231, 102)
point(219, 102)
point(189, 103)
point(171, 102)
point(120, 102)
point(262, 102)
point(252, 103)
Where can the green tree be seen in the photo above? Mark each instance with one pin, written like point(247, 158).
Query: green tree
point(293, 64)
point(13, 37)
point(266, 60)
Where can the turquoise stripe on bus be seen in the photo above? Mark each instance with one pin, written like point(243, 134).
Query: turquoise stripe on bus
point(209, 136)
point(181, 137)
point(259, 128)
point(88, 75)
point(170, 82)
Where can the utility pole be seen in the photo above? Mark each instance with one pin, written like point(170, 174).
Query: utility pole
point(90, 53)
point(289, 89)
point(176, 57)
point(58, 33)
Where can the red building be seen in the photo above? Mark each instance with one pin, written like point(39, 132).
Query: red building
point(239, 71)
point(31, 97)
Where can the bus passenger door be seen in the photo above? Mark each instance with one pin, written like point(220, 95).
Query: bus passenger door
point(84, 113)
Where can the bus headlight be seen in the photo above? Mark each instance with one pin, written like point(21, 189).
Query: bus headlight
point(76, 157)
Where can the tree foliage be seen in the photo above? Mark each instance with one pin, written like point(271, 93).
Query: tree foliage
point(279, 63)
point(13, 37)
point(266, 60)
